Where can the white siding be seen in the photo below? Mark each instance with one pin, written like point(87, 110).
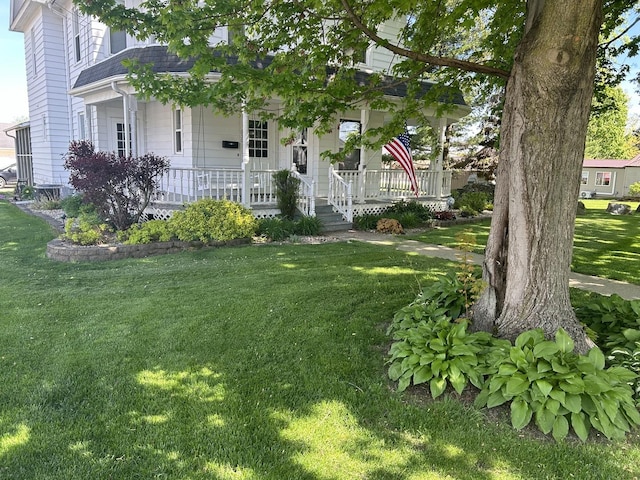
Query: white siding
point(48, 101)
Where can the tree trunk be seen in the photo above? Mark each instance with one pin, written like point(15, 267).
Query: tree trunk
point(548, 96)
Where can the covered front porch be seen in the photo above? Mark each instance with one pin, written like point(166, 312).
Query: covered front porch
point(350, 192)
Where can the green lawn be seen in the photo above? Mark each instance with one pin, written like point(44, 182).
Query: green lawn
point(604, 245)
point(255, 362)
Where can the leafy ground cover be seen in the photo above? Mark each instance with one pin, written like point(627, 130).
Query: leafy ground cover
point(604, 245)
point(238, 363)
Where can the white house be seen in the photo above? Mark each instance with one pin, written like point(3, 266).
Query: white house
point(77, 89)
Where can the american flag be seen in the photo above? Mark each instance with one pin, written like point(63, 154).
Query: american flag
point(400, 149)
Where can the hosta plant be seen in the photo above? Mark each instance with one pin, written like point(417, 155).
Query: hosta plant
point(440, 352)
point(609, 315)
point(628, 358)
point(545, 381)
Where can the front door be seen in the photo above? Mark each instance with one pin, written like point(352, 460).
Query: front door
point(300, 152)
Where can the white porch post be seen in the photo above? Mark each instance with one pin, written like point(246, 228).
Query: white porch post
point(126, 119)
point(246, 197)
point(362, 167)
point(133, 118)
point(442, 127)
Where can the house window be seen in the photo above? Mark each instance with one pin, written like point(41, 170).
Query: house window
point(349, 128)
point(76, 34)
point(121, 139)
point(177, 130)
point(117, 38)
point(117, 41)
point(585, 178)
point(603, 178)
point(258, 139)
point(82, 128)
point(300, 151)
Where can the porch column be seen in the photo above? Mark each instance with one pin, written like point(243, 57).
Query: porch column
point(133, 119)
point(246, 197)
point(361, 195)
point(126, 117)
point(442, 127)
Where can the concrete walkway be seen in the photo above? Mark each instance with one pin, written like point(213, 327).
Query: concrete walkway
point(599, 285)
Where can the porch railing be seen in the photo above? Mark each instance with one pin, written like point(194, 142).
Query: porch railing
point(261, 188)
point(392, 184)
point(306, 195)
point(341, 194)
point(184, 185)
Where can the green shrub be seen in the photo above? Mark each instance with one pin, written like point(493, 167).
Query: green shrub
point(634, 189)
point(628, 358)
point(466, 211)
point(307, 225)
point(27, 192)
point(87, 229)
point(211, 220)
point(72, 205)
point(438, 351)
point(421, 212)
point(409, 219)
point(472, 201)
point(148, 232)
point(286, 192)
point(559, 389)
point(276, 229)
point(606, 318)
point(366, 222)
point(487, 188)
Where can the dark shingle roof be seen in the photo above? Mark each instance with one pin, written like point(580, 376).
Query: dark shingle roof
point(166, 62)
point(163, 61)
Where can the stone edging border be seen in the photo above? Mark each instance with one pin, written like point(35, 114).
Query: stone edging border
point(62, 251)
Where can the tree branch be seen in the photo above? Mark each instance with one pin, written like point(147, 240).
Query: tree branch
point(617, 37)
point(421, 57)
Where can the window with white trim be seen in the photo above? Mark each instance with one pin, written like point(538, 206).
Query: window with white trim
point(177, 131)
point(117, 38)
point(603, 179)
point(82, 126)
point(258, 139)
point(75, 26)
point(117, 41)
point(121, 139)
point(585, 178)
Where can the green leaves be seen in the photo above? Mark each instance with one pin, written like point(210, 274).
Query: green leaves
point(542, 379)
point(545, 380)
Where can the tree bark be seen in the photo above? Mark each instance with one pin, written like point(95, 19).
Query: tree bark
point(548, 97)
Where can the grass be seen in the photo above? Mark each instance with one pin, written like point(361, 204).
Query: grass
point(604, 245)
point(238, 363)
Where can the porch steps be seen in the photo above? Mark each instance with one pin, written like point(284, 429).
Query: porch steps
point(331, 221)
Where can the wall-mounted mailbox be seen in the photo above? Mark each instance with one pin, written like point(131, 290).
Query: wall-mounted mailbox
point(229, 144)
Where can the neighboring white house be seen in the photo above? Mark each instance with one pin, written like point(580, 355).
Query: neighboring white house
point(77, 89)
point(609, 178)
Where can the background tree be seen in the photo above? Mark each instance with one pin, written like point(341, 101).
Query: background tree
point(544, 50)
point(607, 135)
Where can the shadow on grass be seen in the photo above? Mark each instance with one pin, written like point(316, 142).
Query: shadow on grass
point(252, 363)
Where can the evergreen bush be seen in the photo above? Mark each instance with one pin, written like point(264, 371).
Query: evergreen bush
point(211, 220)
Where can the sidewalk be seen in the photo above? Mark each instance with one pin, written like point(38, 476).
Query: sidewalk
point(599, 285)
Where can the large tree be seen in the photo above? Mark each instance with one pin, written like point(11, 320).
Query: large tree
point(307, 52)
